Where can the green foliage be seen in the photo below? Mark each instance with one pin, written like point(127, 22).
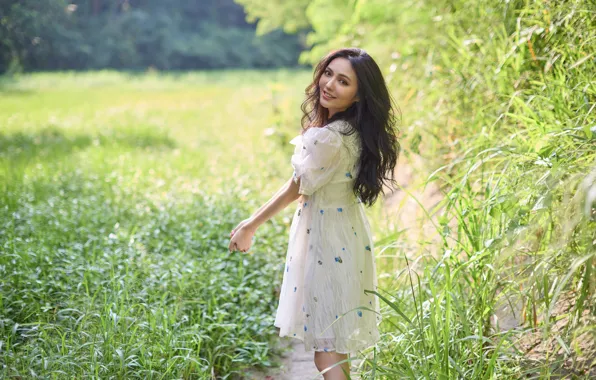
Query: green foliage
point(26, 27)
point(498, 103)
point(274, 14)
point(52, 35)
point(117, 195)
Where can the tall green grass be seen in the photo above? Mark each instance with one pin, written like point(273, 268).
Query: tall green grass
point(499, 113)
point(498, 100)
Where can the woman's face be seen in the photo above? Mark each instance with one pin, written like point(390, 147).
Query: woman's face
point(338, 86)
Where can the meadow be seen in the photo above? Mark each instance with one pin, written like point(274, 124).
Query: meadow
point(118, 191)
point(117, 195)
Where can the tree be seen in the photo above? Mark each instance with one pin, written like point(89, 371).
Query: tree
point(136, 34)
point(274, 14)
point(25, 29)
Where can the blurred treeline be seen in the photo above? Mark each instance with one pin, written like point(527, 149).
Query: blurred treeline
point(136, 34)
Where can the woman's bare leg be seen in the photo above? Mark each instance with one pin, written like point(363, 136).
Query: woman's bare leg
point(325, 360)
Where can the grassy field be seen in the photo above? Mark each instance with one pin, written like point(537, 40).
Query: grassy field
point(117, 195)
point(118, 192)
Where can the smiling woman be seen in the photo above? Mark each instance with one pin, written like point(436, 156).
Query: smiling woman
point(340, 161)
point(339, 87)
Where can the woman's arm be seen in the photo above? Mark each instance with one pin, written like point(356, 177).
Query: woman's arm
point(281, 190)
point(287, 194)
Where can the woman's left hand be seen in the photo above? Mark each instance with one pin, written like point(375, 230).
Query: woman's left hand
point(242, 239)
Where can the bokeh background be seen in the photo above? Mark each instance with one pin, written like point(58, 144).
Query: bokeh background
point(135, 134)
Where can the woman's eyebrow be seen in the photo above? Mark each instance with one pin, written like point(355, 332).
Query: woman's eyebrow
point(341, 75)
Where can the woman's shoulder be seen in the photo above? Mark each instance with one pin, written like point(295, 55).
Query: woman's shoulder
point(321, 135)
point(349, 135)
point(334, 131)
point(339, 126)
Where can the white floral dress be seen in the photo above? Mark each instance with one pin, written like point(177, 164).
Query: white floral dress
point(330, 257)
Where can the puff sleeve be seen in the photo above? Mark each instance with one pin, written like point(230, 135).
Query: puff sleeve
point(316, 158)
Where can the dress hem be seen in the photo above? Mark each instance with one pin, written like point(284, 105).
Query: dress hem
point(308, 349)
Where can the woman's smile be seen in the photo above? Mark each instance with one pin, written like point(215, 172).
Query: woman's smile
point(326, 95)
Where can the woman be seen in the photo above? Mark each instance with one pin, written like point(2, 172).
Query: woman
point(347, 149)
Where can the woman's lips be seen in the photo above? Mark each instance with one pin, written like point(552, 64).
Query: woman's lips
point(327, 97)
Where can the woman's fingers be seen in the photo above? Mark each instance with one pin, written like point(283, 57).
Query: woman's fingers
point(238, 226)
point(234, 243)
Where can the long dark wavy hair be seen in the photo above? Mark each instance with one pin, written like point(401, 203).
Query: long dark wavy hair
point(374, 116)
